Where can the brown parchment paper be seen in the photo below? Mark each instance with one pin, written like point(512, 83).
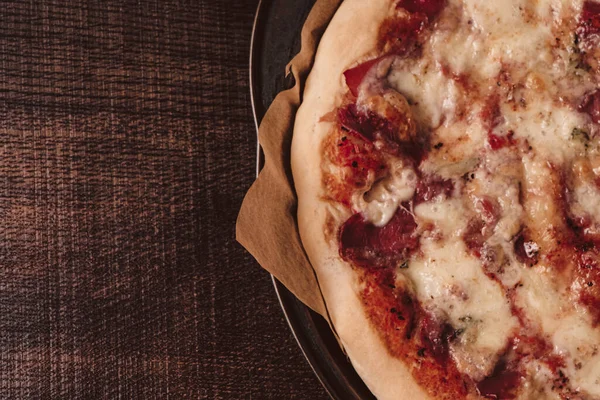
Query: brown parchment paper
point(267, 225)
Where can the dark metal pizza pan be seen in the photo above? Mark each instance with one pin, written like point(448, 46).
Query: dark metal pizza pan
point(275, 40)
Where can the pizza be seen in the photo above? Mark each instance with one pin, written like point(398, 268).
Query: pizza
point(446, 158)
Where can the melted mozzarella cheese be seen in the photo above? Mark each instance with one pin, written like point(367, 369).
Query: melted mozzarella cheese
point(459, 154)
point(448, 216)
point(379, 204)
point(509, 34)
point(480, 38)
point(452, 283)
point(587, 200)
point(547, 126)
point(434, 97)
point(569, 328)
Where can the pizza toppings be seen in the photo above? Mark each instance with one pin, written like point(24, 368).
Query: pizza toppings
point(431, 8)
point(497, 142)
point(526, 251)
point(355, 76)
point(432, 187)
point(368, 245)
point(411, 333)
point(436, 337)
point(367, 124)
point(392, 107)
point(400, 34)
point(591, 106)
point(502, 384)
point(590, 18)
point(475, 242)
point(380, 118)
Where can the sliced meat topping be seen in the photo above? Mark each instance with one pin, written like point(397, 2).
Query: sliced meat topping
point(431, 8)
point(497, 142)
point(431, 187)
point(526, 250)
point(381, 117)
point(590, 18)
point(368, 245)
point(591, 105)
point(355, 76)
point(502, 384)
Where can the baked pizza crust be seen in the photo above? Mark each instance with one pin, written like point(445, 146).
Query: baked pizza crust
point(350, 39)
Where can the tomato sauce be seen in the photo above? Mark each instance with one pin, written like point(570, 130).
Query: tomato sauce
point(498, 142)
point(399, 35)
point(412, 335)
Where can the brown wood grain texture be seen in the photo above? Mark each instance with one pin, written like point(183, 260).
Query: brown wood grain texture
point(126, 146)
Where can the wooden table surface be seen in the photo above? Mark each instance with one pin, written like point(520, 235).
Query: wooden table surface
point(126, 146)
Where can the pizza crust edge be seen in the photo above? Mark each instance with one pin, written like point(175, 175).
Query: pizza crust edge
point(341, 47)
